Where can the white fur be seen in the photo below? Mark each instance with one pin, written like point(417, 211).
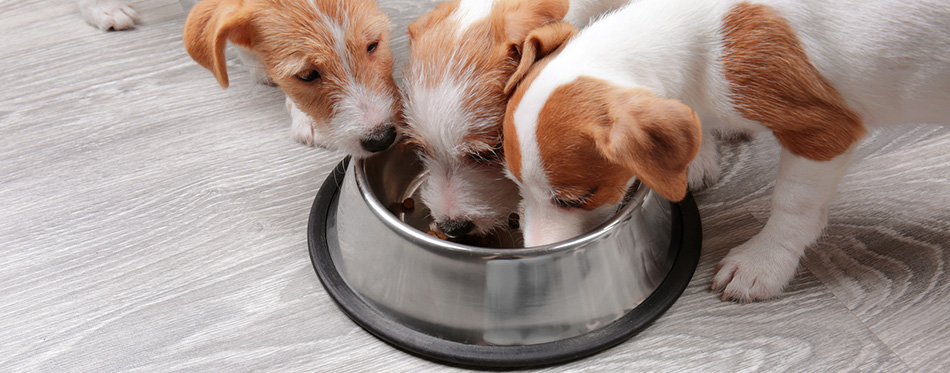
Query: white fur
point(762, 266)
point(254, 65)
point(582, 12)
point(436, 116)
point(359, 112)
point(338, 30)
point(471, 11)
point(108, 14)
point(454, 188)
point(889, 59)
point(301, 124)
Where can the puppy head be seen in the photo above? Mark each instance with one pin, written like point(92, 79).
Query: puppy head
point(331, 57)
point(462, 57)
point(575, 148)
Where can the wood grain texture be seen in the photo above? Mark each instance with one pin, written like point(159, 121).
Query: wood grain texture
point(150, 221)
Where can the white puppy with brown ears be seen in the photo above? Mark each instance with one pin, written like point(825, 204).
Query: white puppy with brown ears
point(461, 57)
point(331, 58)
point(636, 95)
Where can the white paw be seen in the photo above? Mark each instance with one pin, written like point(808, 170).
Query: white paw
point(109, 14)
point(261, 77)
point(249, 59)
point(703, 171)
point(301, 125)
point(754, 271)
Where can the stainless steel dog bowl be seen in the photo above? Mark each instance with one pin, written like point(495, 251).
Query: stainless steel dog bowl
point(493, 306)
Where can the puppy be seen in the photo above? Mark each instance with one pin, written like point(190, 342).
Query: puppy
point(461, 56)
point(108, 14)
point(638, 93)
point(331, 58)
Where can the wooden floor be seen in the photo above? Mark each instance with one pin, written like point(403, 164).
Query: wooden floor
point(150, 221)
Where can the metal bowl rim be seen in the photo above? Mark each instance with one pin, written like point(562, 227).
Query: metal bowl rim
point(432, 243)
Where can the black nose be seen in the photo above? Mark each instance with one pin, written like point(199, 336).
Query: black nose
point(379, 140)
point(456, 227)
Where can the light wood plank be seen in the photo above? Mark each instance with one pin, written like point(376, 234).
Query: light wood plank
point(151, 221)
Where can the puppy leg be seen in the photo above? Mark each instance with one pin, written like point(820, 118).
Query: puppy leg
point(761, 267)
point(301, 125)
point(108, 14)
point(735, 136)
point(704, 169)
point(254, 65)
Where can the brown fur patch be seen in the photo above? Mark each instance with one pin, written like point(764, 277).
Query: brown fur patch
point(567, 134)
point(591, 148)
point(512, 147)
point(281, 31)
point(538, 44)
point(207, 30)
point(773, 82)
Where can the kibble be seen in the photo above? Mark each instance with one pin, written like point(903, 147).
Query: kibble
point(438, 234)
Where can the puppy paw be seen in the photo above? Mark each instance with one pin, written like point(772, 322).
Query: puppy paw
point(301, 125)
point(261, 77)
point(109, 14)
point(753, 272)
point(254, 65)
point(703, 171)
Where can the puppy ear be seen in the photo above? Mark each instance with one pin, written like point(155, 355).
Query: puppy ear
point(539, 43)
point(652, 137)
point(441, 11)
point(209, 25)
point(522, 17)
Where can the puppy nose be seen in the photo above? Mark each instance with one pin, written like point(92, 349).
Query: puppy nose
point(456, 227)
point(379, 140)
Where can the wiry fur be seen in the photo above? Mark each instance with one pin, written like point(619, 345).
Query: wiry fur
point(822, 73)
point(355, 98)
point(461, 57)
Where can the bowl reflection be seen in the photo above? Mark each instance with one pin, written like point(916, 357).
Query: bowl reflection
point(499, 295)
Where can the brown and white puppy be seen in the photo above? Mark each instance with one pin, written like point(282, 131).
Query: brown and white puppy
point(637, 94)
point(331, 58)
point(461, 57)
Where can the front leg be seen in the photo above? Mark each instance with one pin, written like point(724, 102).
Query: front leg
point(254, 65)
point(761, 267)
point(301, 125)
point(703, 170)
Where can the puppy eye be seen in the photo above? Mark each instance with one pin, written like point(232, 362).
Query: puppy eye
point(574, 203)
point(567, 203)
point(485, 157)
point(372, 47)
point(308, 76)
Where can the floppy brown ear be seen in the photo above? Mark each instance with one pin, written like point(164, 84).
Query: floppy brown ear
point(522, 17)
point(209, 25)
point(539, 43)
point(652, 137)
point(420, 24)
